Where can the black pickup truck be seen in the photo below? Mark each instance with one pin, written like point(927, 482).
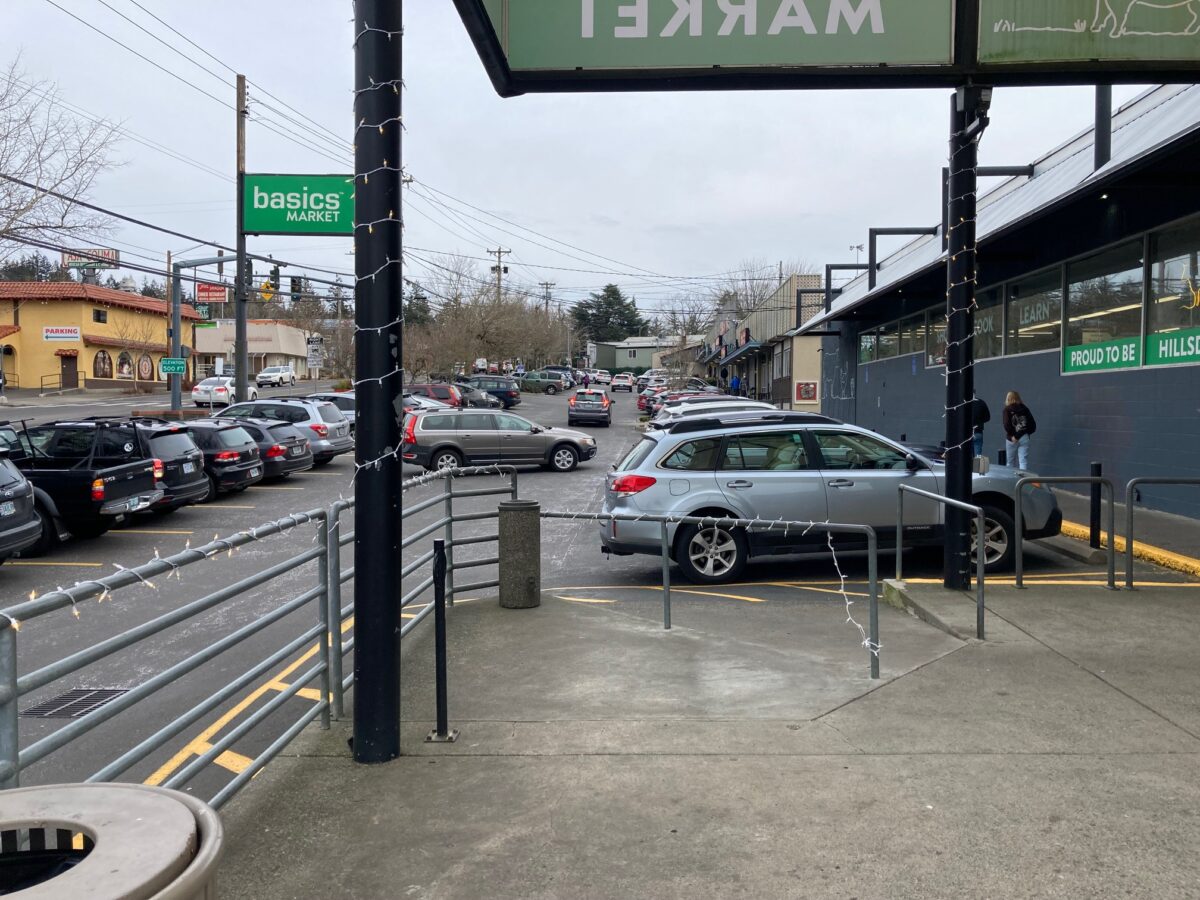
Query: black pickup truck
point(85, 475)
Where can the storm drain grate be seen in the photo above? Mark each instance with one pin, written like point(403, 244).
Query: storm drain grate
point(73, 704)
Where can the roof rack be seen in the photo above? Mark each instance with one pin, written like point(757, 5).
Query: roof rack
point(740, 418)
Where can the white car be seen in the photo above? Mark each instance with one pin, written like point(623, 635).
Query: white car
point(217, 391)
point(667, 417)
point(622, 382)
point(603, 376)
point(277, 376)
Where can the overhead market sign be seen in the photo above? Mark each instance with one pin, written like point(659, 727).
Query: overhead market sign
point(298, 204)
point(563, 45)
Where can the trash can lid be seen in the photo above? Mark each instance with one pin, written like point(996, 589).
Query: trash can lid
point(144, 840)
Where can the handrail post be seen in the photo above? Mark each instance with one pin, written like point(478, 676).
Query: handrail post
point(10, 762)
point(666, 575)
point(900, 533)
point(333, 559)
point(873, 575)
point(1129, 492)
point(980, 565)
point(1112, 537)
point(324, 578)
point(442, 733)
point(448, 490)
point(1018, 536)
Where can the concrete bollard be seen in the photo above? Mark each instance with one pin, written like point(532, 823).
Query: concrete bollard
point(520, 554)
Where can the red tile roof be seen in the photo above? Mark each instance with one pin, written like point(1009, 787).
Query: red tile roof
point(6, 330)
point(71, 290)
point(104, 341)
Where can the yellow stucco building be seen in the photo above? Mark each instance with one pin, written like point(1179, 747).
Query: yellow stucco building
point(56, 335)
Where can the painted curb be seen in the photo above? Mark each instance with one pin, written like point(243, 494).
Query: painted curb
point(1157, 555)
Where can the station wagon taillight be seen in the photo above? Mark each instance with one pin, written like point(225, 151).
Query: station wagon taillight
point(275, 452)
point(321, 430)
point(628, 485)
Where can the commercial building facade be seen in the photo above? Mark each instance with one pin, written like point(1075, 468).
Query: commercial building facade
point(63, 335)
point(635, 354)
point(270, 343)
point(1088, 306)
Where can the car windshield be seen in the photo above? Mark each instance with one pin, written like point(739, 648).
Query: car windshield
point(272, 370)
point(212, 382)
point(234, 437)
point(172, 444)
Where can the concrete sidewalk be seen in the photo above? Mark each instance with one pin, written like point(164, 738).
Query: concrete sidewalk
point(745, 753)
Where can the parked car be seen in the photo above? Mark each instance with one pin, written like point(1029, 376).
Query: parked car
point(622, 382)
point(343, 400)
point(219, 390)
point(546, 382)
point(476, 398)
point(443, 440)
point(183, 481)
point(85, 475)
point(504, 389)
point(418, 401)
point(447, 393)
point(20, 523)
point(282, 448)
point(589, 405)
point(644, 378)
point(318, 420)
point(276, 376)
point(231, 457)
point(603, 376)
point(795, 467)
point(668, 417)
point(567, 373)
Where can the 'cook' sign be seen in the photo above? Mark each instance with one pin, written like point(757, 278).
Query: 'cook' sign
point(60, 333)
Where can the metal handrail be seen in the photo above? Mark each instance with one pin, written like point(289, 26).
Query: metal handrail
point(1019, 520)
point(1129, 490)
point(872, 642)
point(980, 554)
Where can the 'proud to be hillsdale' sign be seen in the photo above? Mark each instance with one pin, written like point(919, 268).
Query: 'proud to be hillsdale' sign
point(298, 204)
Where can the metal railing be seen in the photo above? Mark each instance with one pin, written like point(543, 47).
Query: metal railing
point(980, 551)
point(872, 642)
point(50, 383)
point(1129, 494)
point(1019, 521)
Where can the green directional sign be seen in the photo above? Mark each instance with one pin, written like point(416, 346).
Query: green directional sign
point(170, 365)
point(298, 204)
point(1039, 31)
point(648, 34)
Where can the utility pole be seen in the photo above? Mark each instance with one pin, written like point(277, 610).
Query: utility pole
point(241, 347)
point(379, 361)
point(499, 268)
point(546, 286)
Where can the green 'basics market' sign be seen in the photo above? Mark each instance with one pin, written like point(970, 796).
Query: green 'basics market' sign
point(298, 204)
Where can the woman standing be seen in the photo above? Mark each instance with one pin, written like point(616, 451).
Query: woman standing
point(1019, 424)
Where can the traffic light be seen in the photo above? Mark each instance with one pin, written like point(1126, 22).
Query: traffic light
point(297, 288)
point(275, 279)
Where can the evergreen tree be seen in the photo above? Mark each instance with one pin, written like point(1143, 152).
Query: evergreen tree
point(608, 316)
point(34, 267)
point(417, 311)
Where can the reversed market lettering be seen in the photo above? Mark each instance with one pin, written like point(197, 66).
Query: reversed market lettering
point(301, 206)
point(853, 14)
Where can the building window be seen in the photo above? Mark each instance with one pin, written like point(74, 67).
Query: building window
point(889, 341)
point(912, 335)
point(935, 340)
point(1174, 325)
point(866, 347)
point(1104, 306)
point(1035, 313)
point(124, 365)
point(102, 365)
point(989, 324)
point(633, 354)
point(100, 315)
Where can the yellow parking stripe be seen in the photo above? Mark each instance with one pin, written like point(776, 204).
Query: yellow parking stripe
point(75, 565)
point(582, 599)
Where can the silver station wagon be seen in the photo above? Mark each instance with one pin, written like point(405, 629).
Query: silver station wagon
point(794, 467)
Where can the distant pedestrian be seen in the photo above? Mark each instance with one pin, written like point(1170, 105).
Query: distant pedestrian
point(587, 380)
point(1019, 424)
point(980, 416)
point(735, 385)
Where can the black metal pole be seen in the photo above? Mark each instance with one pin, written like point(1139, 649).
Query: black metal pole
point(241, 347)
point(1094, 517)
point(378, 342)
point(967, 120)
point(439, 625)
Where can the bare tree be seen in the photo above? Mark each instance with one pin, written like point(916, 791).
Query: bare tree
point(138, 336)
point(42, 143)
point(686, 314)
point(752, 281)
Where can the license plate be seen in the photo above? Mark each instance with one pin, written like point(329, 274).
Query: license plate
point(254, 471)
point(189, 467)
point(136, 503)
point(296, 451)
point(8, 508)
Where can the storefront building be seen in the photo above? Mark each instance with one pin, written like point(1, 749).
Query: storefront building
point(270, 343)
point(1088, 306)
point(64, 335)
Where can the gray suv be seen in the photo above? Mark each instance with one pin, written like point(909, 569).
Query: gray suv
point(794, 467)
point(318, 420)
point(447, 439)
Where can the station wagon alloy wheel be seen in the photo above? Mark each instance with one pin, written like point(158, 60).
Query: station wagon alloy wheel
point(446, 459)
point(997, 539)
point(565, 459)
point(711, 554)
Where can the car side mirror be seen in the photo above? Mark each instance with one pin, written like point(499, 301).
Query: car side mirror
point(535, 430)
point(912, 463)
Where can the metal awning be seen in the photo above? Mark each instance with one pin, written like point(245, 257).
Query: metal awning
point(744, 350)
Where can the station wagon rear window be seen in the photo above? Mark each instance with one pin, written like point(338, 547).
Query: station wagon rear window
point(636, 455)
point(696, 456)
point(438, 423)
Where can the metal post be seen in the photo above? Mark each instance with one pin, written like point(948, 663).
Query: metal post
point(1129, 495)
point(666, 573)
point(900, 534)
point(324, 578)
point(241, 347)
point(968, 118)
point(1112, 536)
point(176, 336)
point(333, 617)
point(442, 733)
point(1102, 146)
point(1019, 536)
point(873, 576)
point(1094, 512)
point(378, 74)
point(10, 761)
point(980, 565)
point(448, 513)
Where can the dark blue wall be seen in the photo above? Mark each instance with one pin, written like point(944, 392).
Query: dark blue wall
point(1137, 422)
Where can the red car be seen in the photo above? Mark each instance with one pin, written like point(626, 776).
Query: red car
point(447, 393)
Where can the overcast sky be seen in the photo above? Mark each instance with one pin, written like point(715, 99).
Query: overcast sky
point(675, 184)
